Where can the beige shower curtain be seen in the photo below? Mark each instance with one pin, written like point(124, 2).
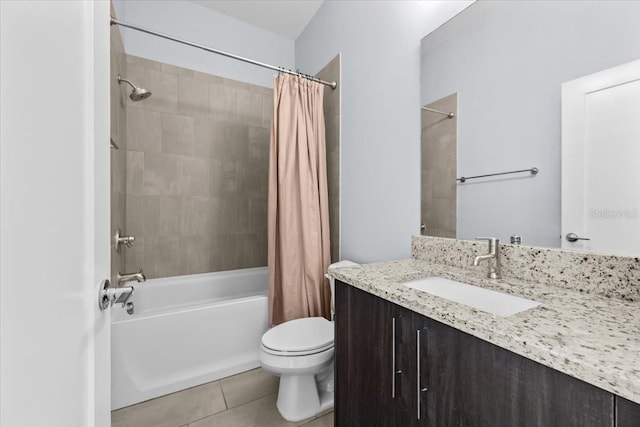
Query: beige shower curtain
point(298, 217)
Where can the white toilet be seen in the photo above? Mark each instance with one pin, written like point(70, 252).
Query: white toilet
point(301, 352)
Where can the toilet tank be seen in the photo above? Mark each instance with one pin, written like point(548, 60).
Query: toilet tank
point(332, 281)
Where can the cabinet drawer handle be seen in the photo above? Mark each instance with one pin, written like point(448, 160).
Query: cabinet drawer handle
point(419, 388)
point(394, 371)
point(418, 371)
point(393, 358)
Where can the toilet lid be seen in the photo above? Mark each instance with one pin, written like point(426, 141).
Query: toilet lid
point(299, 335)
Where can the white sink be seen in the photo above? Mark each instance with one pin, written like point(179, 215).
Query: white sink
point(493, 302)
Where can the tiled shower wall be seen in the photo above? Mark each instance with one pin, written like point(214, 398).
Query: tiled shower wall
point(197, 170)
point(118, 157)
point(331, 73)
point(438, 201)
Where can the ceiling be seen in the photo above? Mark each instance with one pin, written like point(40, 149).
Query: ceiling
point(287, 18)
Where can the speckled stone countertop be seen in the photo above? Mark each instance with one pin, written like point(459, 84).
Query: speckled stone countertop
point(591, 337)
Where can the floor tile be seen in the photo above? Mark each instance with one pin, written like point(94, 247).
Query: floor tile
point(172, 410)
point(258, 413)
point(248, 386)
point(325, 412)
point(323, 421)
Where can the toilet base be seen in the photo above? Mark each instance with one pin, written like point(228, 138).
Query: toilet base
point(299, 397)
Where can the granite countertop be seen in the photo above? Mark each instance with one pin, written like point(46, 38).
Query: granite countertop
point(590, 337)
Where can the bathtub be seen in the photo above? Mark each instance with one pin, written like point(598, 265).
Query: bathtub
point(185, 331)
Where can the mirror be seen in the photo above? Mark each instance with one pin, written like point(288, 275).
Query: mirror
point(506, 63)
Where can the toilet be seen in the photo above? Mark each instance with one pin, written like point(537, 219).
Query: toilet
point(300, 352)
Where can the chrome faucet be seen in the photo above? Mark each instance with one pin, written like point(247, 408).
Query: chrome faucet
point(492, 258)
point(130, 277)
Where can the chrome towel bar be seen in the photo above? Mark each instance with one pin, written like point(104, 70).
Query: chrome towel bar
point(534, 171)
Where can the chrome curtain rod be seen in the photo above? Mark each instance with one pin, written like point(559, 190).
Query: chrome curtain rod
point(449, 115)
point(114, 21)
point(533, 172)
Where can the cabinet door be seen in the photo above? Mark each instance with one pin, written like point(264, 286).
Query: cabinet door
point(422, 365)
point(404, 366)
point(475, 383)
point(627, 413)
point(364, 365)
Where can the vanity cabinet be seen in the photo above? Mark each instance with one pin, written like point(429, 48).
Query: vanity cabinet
point(395, 367)
point(364, 367)
point(627, 413)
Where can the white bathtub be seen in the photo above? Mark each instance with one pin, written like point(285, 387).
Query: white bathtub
point(185, 331)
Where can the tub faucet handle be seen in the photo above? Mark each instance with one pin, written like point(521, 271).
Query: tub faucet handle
point(109, 295)
point(123, 240)
point(122, 295)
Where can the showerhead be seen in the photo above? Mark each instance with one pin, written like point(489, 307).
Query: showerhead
point(138, 93)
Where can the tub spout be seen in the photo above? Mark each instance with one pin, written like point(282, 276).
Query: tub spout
point(130, 277)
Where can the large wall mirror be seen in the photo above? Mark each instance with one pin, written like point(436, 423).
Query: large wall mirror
point(500, 66)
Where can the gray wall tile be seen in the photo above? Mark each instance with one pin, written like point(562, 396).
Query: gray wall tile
point(197, 196)
point(193, 96)
point(235, 143)
point(143, 130)
point(134, 257)
point(164, 87)
point(144, 62)
point(210, 78)
point(267, 110)
point(249, 104)
point(204, 175)
point(205, 132)
point(160, 174)
point(161, 256)
point(135, 215)
point(223, 103)
point(193, 176)
point(194, 254)
point(331, 72)
point(177, 134)
point(198, 216)
point(135, 169)
point(438, 194)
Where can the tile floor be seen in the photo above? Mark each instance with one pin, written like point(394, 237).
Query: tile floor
point(244, 400)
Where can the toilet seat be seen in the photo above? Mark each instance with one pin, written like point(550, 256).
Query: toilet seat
point(299, 337)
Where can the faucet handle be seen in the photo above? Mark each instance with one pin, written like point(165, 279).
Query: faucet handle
point(123, 240)
point(493, 241)
point(128, 240)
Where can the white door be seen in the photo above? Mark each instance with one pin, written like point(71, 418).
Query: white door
point(601, 161)
point(54, 213)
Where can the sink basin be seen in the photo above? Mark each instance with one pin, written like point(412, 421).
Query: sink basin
point(493, 302)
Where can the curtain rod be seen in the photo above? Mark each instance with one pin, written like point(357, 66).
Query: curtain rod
point(114, 21)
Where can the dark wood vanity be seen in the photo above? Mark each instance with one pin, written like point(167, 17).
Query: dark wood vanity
point(395, 367)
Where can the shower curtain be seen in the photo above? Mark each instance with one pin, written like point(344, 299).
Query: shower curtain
point(298, 213)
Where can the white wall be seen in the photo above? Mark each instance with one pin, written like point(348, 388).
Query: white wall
point(198, 24)
point(506, 61)
point(54, 154)
point(380, 115)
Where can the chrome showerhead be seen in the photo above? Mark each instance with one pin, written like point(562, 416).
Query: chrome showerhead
point(138, 93)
